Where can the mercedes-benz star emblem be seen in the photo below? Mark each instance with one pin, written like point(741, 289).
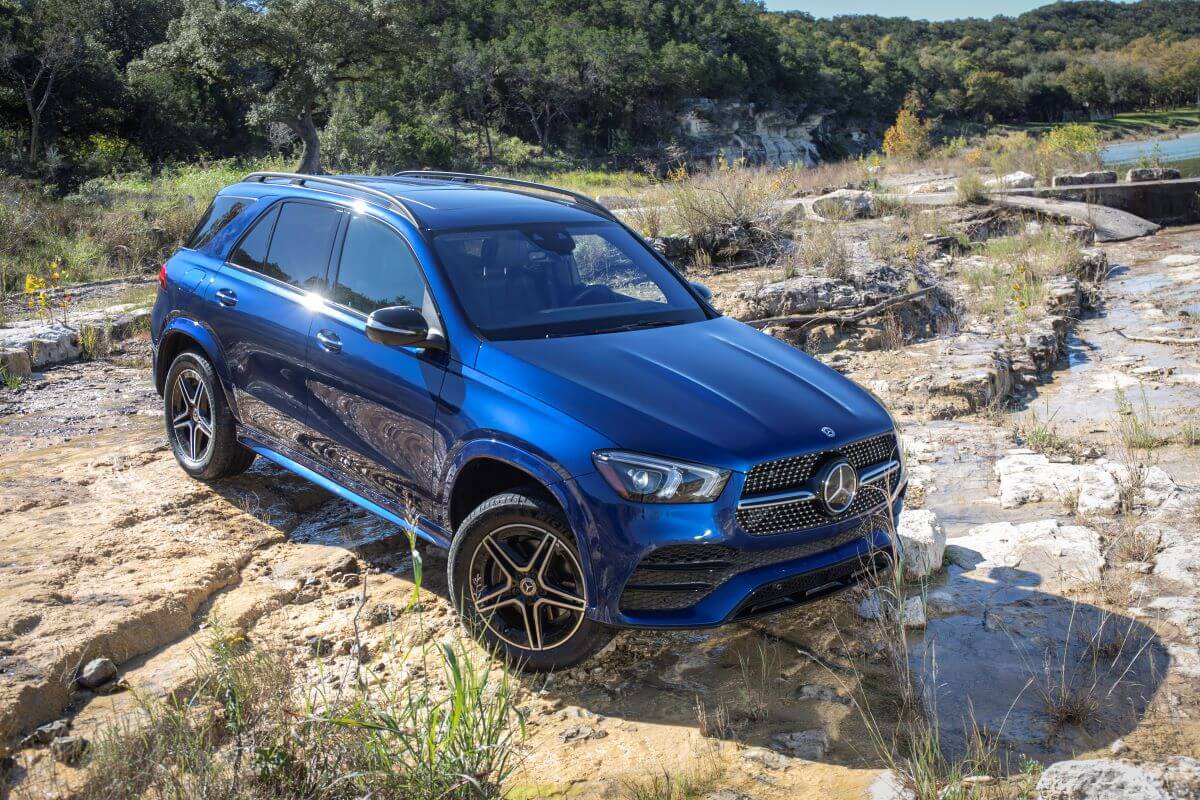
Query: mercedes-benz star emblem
point(837, 484)
point(830, 432)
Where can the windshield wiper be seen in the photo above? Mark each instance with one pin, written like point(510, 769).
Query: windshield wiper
point(633, 326)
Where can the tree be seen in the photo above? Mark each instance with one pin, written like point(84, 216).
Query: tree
point(285, 56)
point(44, 41)
point(909, 136)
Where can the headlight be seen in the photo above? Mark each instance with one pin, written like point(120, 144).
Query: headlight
point(647, 479)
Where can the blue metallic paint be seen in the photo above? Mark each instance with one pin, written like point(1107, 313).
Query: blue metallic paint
point(374, 423)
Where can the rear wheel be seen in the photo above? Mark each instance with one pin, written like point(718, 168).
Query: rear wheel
point(516, 579)
point(200, 427)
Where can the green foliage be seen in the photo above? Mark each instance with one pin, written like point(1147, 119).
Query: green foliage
point(1081, 141)
point(909, 136)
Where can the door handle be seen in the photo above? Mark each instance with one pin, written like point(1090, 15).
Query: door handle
point(329, 341)
point(227, 297)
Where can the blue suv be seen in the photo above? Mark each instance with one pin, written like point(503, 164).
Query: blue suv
point(512, 373)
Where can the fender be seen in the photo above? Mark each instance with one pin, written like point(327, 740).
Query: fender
point(539, 465)
point(179, 324)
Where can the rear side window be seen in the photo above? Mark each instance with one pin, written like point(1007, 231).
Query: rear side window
point(222, 212)
point(378, 269)
point(299, 249)
point(251, 252)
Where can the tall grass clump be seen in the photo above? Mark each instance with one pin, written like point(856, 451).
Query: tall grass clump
point(819, 250)
point(970, 189)
point(712, 206)
point(1009, 283)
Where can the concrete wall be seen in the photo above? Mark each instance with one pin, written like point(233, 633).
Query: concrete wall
point(1164, 202)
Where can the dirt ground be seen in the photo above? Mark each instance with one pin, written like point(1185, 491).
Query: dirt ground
point(108, 549)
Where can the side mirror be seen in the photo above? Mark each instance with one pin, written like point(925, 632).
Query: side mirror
point(399, 326)
point(702, 290)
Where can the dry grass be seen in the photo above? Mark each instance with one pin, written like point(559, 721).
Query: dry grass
point(819, 250)
point(692, 784)
point(970, 189)
point(1009, 284)
point(761, 687)
point(1039, 433)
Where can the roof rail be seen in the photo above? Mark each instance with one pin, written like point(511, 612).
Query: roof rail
point(298, 179)
point(467, 177)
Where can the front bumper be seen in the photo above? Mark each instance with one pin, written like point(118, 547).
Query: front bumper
point(735, 575)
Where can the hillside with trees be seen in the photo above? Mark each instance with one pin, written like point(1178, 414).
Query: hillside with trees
point(88, 87)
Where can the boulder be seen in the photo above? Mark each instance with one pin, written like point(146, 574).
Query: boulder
point(845, 204)
point(1013, 180)
point(97, 672)
point(808, 745)
point(767, 758)
point(1177, 778)
point(923, 541)
point(45, 734)
point(68, 749)
point(1085, 178)
point(1142, 174)
point(345, 564)
point(15, 362)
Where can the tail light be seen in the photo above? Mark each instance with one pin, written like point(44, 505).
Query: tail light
point(162, 276)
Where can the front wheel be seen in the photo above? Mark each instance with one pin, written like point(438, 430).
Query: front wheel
point(516, 579)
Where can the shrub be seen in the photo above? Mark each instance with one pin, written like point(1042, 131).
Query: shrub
point(819, 250)
point(970, 189)
point(909, 136)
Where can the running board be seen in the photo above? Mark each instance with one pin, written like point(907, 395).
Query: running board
point(330, 486)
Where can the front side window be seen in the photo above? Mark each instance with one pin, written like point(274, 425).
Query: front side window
point(541, 280)
point(300, 245)
point(377, 269)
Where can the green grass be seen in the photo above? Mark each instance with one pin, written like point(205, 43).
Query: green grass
point(1132, 124)
point(588, 181)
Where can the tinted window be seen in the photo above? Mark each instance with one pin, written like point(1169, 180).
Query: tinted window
point(299, 250)
point(561, 280)
point(251, 252)
point(219, 214)
point(377, 269)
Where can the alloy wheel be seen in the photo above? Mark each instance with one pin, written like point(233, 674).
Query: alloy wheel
point(192, 415)
point(527, 587)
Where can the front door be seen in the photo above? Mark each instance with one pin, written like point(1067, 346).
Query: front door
point(263, 302)
point(371, 405)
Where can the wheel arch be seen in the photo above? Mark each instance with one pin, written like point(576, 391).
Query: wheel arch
point(183, 333)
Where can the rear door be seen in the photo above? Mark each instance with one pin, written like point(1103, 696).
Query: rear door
point(263, 301)
point(373, 405)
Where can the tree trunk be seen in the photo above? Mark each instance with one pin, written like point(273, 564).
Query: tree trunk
point(304, 127)
point(35, 138)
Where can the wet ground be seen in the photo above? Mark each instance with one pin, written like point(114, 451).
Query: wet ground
point(106, 548)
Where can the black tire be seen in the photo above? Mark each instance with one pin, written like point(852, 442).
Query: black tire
point(513, 521)
point(200, 427)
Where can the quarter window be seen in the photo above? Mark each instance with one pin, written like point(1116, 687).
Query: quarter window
point(378, 269)
point(251, 252)
point(222, 212)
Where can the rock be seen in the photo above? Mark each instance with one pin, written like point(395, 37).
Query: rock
point(1070, 552)
point(913, 613)
point(350, 580)
point(384, 613)
point(68, 749)
point(582, 733)
point(923, 541)
point(1118, 747)
point(318, 645)
point(809, 745)
point(344, 602)
point(343, 565)
point(1180, 563)
point(15, 362)
point(889, 786)
point(767, 758)
point(1027, 477)
point(816, 691)
point(870, 608)
point(1085, 178)
point(1142, 174)
point(845, 204)
point(45, 734)
point(1108, 779)
point(720, 132)
point(96, 673)
point(942, 602)
point(7, 763)
point(675, 248)
point(727, 794)
point(1013, 180)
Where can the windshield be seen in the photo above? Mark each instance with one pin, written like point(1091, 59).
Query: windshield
point(534, 281)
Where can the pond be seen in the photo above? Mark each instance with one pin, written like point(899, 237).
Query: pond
point(1182, 153)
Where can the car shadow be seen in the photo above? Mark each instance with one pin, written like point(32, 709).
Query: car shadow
point(1030, 672)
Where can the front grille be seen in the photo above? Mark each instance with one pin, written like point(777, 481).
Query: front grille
point(679, 576)
point(811, 585)
point(794, 472)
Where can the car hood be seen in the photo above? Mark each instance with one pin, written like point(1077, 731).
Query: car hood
point(716, 392)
